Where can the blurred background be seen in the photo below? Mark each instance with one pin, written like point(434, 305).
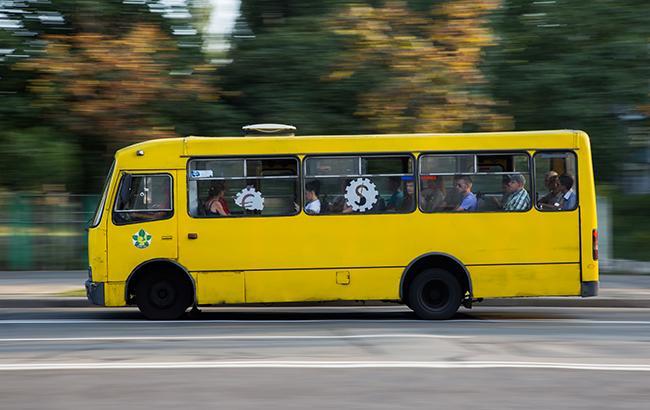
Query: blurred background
point(80, 79)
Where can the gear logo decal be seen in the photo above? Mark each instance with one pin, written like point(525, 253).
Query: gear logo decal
point(250, 199)
point(141, 239)
point(361, 194)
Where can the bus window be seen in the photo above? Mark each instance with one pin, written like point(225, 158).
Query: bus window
point(474, 182)
point(143, 198)
point(243, 187)
point(556, 183)
point(360, 184)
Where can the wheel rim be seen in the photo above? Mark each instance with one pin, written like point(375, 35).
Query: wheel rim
point(162, 294)
point(435, 295)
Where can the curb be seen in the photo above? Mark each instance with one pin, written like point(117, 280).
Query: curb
point(596, 302)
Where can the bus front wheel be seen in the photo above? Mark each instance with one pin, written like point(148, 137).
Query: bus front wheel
point(163, 296)
point(435, 294)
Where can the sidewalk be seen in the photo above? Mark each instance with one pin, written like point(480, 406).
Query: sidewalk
point(64, 289)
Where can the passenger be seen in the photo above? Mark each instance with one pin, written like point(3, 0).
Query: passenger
point(464, 188)
point(517, 198)
point(340, 205)
point(432, 198)
point(409, 196)
point(312, 190)
point(551, 201)
point(216, 203)
point(569, 198)
point(397, 198)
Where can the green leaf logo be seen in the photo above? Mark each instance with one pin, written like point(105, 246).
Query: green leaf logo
point(141, 239)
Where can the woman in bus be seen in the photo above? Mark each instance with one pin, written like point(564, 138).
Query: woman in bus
point(216, 204)
point(312, 190)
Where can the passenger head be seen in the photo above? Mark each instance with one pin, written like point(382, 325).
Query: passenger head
point(410, 187)
point(566, 182)
point(552, 181)
point(395, 183)
point(439, 183)
point(513, 182)
point(217, 190)
point(464, 184)
point(312, 190)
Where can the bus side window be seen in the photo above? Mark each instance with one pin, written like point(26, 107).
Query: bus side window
point(474, 182)
point(243, 187)
point(143, 198)
point(556, 182)
point(359, 184)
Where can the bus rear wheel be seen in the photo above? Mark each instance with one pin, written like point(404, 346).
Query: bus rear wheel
point(435, 294)
point(163, 296)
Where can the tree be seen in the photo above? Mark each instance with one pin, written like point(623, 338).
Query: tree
point(102, 74)
point(424, 62)
point(281, 55)
point(573, 64)
point(348, 67)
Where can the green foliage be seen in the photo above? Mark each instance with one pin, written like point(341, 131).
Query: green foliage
point(573, 64)
point(104, 74)
point(277, 76)
point(350, 67)
point(631, 226)
point(37, 156)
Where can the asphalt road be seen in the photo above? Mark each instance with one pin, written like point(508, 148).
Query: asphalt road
point(327, 357)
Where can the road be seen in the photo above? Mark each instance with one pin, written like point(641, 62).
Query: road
point(325, 357)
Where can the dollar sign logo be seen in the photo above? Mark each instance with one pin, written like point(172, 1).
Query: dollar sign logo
point(362, 199)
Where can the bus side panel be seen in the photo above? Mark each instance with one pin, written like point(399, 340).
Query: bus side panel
point(214, 288)
point(525, 280)
point(321, 285)
point(114, 294)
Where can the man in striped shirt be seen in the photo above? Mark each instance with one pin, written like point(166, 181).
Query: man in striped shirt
point(517, 197)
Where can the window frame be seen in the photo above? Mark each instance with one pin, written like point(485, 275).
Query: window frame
point(576, 182)
point(476, 154)
point(242, 158)
point(171, 210)
point(360, 156)
point(99, 211)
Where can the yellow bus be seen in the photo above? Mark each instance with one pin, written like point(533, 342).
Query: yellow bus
point(433, 221)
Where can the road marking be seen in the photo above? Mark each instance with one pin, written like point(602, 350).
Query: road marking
point(325, 365)
point(297, 321)
point(233, 337)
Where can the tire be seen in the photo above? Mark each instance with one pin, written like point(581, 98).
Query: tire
point(163, 296)
point(435, 294)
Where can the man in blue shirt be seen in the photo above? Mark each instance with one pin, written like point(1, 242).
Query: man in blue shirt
point(464, 188)
point(569, 198)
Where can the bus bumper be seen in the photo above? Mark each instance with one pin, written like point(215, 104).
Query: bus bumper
point(588, 289)
point(95, 292)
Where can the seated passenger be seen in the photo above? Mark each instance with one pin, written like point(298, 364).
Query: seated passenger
point(551, 201)
point(432, 198)
point(216, 204)
point(517, 198)
point(464, 188)
point(569, 198)
point(312, 190)
point(409, 196)
point(397, 197)
point(339, 204)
